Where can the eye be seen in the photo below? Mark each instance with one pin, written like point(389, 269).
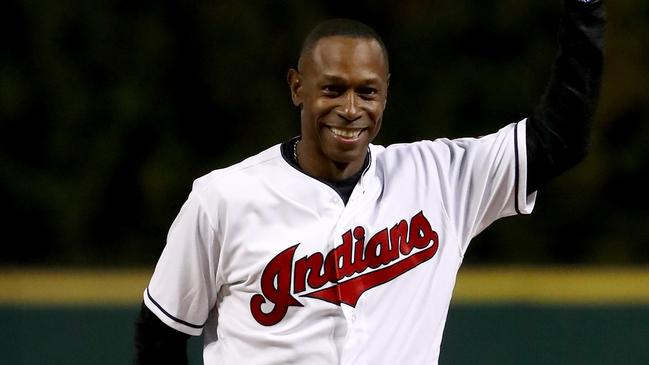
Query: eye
point(332, 90)
point(367, 92)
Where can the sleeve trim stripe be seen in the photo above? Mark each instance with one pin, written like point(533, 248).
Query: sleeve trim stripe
point(516, 170)
point(169, 315)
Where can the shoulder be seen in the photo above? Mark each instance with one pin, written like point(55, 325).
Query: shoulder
point(241, 175)
point(444, 145)
point(400, 152)
point(442, 151)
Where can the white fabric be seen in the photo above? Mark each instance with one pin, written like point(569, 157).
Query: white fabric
point(236, 264)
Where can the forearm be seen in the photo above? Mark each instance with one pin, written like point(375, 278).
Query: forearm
point(558, 130)
point(156, 343)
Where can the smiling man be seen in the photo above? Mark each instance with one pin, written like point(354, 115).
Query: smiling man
point(341, 88)
point(328, 249)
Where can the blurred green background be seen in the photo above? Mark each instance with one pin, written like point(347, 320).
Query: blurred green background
point(110, 109)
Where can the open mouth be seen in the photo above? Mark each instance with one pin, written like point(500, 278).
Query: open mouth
point(346, 133)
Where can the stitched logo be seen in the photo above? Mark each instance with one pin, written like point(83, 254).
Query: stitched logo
point(388, 253)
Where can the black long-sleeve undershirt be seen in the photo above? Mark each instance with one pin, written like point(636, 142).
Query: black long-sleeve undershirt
point(558, 130)
point(557, 138)
point(156, 343)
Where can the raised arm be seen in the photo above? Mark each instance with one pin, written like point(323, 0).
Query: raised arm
point(558, 130)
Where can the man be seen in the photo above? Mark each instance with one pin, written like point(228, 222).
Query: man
point(328, 249)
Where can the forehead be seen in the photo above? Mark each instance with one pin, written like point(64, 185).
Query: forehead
point(346, 57)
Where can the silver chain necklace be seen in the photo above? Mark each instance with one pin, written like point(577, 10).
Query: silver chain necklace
point(295, 149)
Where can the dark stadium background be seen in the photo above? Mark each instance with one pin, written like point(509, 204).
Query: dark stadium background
point(110, 109)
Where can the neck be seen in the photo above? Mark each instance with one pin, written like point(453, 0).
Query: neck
point(317, 165)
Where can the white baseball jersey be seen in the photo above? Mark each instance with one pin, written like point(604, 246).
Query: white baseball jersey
point(272, 267)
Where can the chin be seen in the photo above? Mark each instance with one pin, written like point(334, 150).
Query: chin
point(347, 157)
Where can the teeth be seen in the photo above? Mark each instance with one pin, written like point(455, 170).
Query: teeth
point(346, 133)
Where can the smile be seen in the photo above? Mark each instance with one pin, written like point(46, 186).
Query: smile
point(347, 133)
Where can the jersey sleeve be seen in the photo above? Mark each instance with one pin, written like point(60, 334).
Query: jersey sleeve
point(483, 179)
point(184, 285)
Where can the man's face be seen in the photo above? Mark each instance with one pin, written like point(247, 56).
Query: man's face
point(342, 89)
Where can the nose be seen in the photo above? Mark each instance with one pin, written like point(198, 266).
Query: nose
point(349, 110)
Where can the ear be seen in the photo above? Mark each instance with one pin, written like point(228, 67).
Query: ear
point(387, 87)
point(294, 80)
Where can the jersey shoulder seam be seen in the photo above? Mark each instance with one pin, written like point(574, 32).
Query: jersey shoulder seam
point(248, 163)
point(203, 205)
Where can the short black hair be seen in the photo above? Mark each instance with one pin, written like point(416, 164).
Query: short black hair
point(341, 27)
